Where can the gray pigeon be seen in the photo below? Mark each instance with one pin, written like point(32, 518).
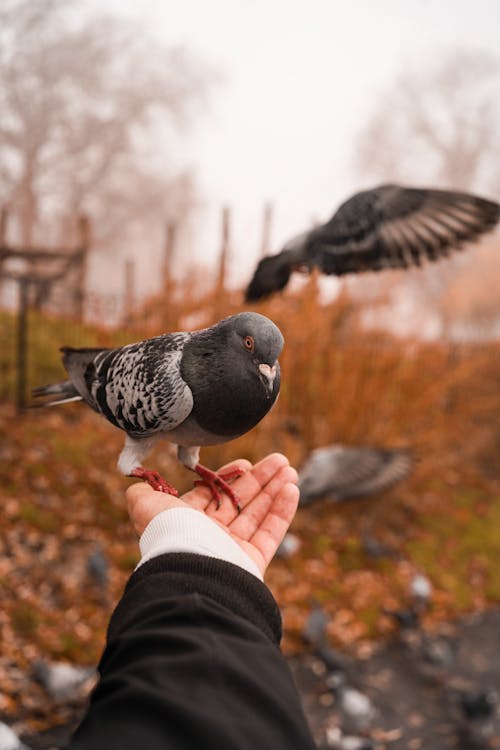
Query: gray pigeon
point(9, 739)
point(98, 567)
point(387, 227)
point(340, 472)
point(63, 682)
point(201, 388)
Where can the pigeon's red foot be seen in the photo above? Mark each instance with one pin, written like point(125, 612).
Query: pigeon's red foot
point(155, 480)
point(217, 481)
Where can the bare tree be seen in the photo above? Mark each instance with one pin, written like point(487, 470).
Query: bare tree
point(437, 125)
point(89, 108)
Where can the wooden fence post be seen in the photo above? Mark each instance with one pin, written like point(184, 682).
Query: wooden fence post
point(84, 232)
point(267, 219)
point(224, 252)
point(22, 343)
point(129, 295)
point(3, 243)
point(168, 254)
point(3, 227)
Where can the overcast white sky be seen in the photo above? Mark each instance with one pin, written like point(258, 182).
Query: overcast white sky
point(301, 77)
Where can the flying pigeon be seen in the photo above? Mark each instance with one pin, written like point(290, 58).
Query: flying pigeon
point(200, 388)
point(340, 472)
point(387, 227)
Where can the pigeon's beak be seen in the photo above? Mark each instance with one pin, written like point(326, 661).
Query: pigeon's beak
point(268, 375)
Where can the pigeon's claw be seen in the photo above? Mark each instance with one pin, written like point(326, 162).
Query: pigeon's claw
point(155, 480)
point(217, 482)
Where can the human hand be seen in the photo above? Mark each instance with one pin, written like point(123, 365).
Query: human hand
point(268, 497)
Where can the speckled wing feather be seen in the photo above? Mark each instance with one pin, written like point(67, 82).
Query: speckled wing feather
point(138, 387)
point(396, 227)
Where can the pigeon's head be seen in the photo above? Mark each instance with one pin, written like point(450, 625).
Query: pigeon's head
point(233, 371)
point(261, 340)
point(271, 275)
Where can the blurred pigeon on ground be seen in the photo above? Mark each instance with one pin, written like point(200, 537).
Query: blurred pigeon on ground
point(386, 227)
point(335, 740)
point(201, 388)
point(340, 472)
point(374, 548)
point(314, 631)
point(9, 739)
point(421, 591)
point(405, 619)
point(63, 682)
point(356, 706)
point(478, 705)
point(288, 547)
point(98, 567)
point(315, 634)
point(438, 655)
point(333, 660)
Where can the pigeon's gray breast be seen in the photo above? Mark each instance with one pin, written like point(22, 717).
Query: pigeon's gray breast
point(229, 397)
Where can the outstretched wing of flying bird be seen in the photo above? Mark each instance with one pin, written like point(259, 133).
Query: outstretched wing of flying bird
point(387, 227)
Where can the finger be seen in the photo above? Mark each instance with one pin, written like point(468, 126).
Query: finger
point(144, 503)
point(253, 514)
point(248, 486)
point(269, 535)
point(239, 463)
point(200, 497)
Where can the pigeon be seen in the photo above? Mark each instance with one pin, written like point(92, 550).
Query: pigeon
point(98, 567)
point(478, 705)
point(421, 591)
point(288, 547)
point(200, 388)
point(9, 739)
point(405, 619)
point(336, 740)
point(63, 682)
point(315, 626)
point(341, 472)
point(357, 706)
point(376, 549)
point(389, 226)
point(333, 660)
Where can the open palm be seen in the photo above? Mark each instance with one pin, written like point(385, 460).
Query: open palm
point(268, 497)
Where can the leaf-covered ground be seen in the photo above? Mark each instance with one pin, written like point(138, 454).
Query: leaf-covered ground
point(61, 499)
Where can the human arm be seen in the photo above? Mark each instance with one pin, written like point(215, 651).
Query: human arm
point(192, 657)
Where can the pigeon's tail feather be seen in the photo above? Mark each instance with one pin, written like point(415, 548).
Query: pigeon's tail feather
point(80, 365)
point(56, 393)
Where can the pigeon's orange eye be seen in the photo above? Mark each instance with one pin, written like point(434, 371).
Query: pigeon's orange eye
point(249, 343)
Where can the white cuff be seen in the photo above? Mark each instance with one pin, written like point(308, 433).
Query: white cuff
point(189, 530)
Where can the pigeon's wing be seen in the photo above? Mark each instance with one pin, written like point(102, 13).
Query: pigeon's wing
point(386, 227)
point(138, 387)
point(397, 227)
point(344, 471)
point(383, 467)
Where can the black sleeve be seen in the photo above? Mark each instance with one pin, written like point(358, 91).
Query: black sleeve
point(192, 661)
